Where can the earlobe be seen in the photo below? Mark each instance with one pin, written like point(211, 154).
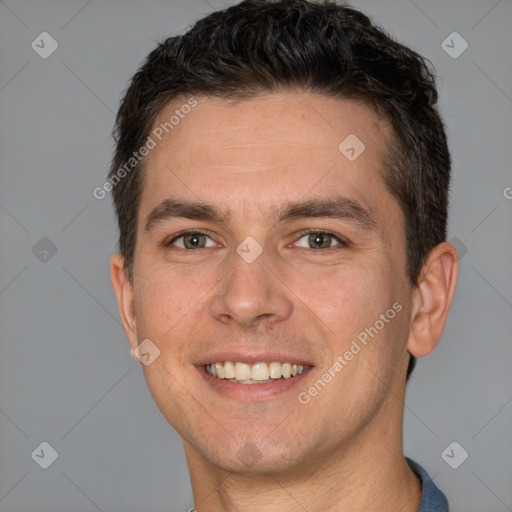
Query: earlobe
point(432, 299)
point(124, 293)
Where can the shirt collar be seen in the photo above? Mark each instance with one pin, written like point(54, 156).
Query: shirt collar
point(432, 499)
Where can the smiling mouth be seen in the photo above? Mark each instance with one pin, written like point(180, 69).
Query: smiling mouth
point(258, 373)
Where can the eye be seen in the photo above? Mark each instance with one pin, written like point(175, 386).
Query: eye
point(192, 240)
point(319, 240)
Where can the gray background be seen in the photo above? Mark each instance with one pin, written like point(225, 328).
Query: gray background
point(66, 375)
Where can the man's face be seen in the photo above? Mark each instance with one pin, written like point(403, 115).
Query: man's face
point(276, 276)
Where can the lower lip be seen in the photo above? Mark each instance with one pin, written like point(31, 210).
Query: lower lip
point(251, 392)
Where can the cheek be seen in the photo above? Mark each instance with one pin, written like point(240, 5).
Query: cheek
point(165, 300)
point(349, 301)
point(345, 298)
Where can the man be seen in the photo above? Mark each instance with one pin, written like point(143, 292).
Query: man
point(280, 181)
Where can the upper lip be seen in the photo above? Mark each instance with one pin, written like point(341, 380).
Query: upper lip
point(252, 358)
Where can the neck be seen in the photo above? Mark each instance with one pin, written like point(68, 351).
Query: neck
point(367, 473)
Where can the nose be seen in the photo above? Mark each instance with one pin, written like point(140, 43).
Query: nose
point(251, 294)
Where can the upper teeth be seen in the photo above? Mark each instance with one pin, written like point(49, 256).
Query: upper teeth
point(256, 372)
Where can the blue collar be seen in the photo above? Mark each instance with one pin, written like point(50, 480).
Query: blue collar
point(432, 499)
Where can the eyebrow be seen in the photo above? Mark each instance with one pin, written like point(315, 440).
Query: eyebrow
point(171, 208)
point(336, 207)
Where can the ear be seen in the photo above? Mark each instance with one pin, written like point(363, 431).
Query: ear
point(124, 293)
point(432, 298)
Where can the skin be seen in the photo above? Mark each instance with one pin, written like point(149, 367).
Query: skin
point(342, 450)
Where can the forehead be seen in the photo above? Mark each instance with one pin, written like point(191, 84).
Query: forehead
point(277, 146)
point(307, 122)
